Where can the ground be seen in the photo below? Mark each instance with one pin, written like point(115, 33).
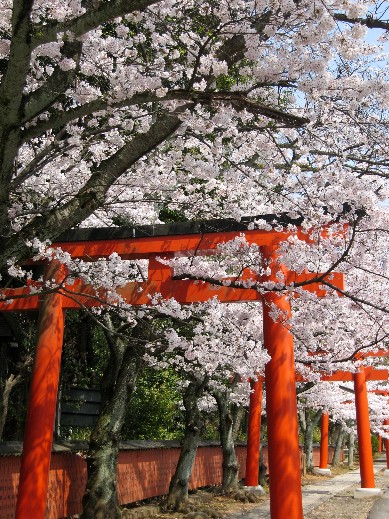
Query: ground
point(344, 506)
point(210, 503)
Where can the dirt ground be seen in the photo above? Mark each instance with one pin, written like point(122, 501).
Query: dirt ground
point(209, 503)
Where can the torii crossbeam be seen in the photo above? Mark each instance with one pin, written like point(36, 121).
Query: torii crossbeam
point(166, 241)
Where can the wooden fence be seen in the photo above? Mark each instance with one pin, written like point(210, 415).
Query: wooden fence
point(144, 470)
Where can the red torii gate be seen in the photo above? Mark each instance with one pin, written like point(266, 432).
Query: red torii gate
point(364, 374)
point(363, 424)
point(165, 241)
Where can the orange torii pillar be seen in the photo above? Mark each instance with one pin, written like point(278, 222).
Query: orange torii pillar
point(254, 435)
point(38, 435)
point(281, 408)
point(322, 469)
point(364, 439)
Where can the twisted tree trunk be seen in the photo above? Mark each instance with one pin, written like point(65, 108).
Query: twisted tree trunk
point(338, 446)
point(6, 387)
point(226, 430)
point(8, 380)
point(308, 422)
point(194, 427)
point(100, 500)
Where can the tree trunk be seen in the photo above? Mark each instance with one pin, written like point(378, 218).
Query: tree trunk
point(8, 381)
point(6, 387)
point(308, 422)
point(351, 444)
point(312, 422)
point(238, 412)
point(338, 447)
point(230, 462)
point(194, 425)
point(100, 500)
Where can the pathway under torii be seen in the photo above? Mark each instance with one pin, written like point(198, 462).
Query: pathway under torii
point(150, 242)
point(359, 378)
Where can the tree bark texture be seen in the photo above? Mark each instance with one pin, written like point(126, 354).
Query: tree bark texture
point(8, 380)
point(100, 500)
point(312, 422)
point(194, 427)
point(338, 446)
point(238, 412)
point(351, 445)
point(226, 430)
point(6, 387)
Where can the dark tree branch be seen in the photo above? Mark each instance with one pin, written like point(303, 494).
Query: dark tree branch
point(43, 97)
point(92, 195)
point(239, 101)
point(92, 18)
point(370, 22)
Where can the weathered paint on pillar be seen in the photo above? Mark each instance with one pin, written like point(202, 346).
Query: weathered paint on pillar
point(254, 434)
point(38, 436)
point(324, 441)
point(281, 409)
point(363, 428)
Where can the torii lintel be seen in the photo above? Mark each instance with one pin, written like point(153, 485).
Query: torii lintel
point(134, 244)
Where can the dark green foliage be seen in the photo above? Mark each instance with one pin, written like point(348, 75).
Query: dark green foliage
point(154, 411)
point(168, 215)
point(85, 352)
point(16, 362)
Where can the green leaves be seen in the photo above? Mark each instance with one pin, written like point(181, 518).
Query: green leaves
point(153, 412)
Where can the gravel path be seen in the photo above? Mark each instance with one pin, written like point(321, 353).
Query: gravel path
point(337, 499)
point(344, 506)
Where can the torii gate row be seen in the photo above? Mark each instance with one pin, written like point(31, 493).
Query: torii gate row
point(362, 415)
point(367, 373)
point(166, 241)
point(363, 426)
point(325, 419)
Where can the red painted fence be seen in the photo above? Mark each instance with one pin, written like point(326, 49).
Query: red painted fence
point(144, 471)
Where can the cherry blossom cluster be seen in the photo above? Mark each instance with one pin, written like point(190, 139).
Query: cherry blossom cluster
point(152, 111)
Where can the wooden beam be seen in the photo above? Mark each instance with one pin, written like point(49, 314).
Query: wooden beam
point(347, 376)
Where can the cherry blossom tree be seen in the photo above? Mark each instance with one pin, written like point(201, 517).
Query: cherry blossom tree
point(124, 113)
point(216, 358)
point(271, 105)
point(237, 107)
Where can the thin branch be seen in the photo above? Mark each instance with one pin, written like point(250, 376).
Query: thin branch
point(239, 101)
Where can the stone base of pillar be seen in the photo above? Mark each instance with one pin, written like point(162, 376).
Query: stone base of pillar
point(255, 490)
point(386, 472)
point(321, 472)
point(364, 493)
